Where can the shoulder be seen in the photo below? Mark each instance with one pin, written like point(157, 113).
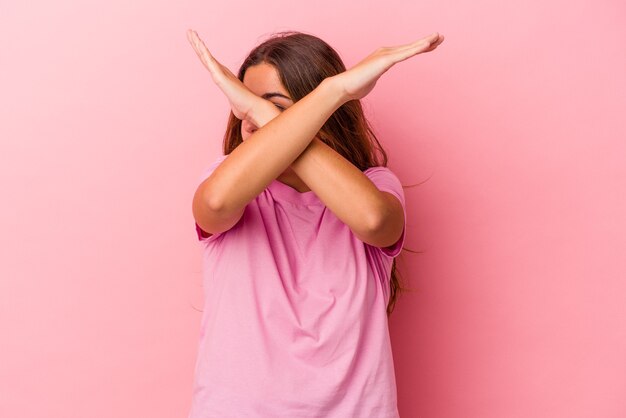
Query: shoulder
point(385, 180)
point(381, 172)
point(206, 172)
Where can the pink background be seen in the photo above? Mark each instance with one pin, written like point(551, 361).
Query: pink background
point(513, 126)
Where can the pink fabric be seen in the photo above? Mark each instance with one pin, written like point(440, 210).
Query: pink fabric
point(294, 321)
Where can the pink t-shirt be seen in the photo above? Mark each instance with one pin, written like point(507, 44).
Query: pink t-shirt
point(294, 321)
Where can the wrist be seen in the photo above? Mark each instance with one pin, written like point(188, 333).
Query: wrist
point(334, 86)
point(263, 112)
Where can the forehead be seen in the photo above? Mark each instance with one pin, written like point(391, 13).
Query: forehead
point(263, 78)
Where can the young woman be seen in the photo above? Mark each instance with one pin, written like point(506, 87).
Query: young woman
point(300, 222)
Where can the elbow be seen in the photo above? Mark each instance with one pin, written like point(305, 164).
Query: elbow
point(378, 216)
point(206, 199)
point(371, 230)
point(373, 222)
point(384, 224)
point(212, 215)
point(205, 208)
point(213, 203)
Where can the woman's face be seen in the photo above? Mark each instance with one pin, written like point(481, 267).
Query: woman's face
point(263, 80)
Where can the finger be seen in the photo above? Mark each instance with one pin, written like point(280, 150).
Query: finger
point(423, 41)
point(202, 47)
point(191, 35)
point(190, 39)
point(198, 44)
point(427, 40)
point(438, 41)
point(426, 44)
point(432, 37)
point(188, 35)
point(201, 44)
point(193, 40)
point(434, 45)
point(205, 55)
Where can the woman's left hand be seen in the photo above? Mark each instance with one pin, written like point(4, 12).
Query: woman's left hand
point(359, 80)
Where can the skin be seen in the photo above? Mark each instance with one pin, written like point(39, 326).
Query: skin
point(261, 79)
point(284, 147)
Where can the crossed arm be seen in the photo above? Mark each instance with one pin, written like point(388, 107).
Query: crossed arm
point(283, 140)
point(288, 139)
point(375, 217)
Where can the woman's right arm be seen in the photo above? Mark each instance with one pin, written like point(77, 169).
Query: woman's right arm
point(268, 152)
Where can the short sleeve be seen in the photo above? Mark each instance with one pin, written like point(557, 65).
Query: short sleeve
point(205, 174)
point(386, 181)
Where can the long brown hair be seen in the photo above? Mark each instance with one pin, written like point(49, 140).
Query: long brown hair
point(302, 62)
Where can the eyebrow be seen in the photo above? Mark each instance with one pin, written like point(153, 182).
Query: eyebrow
point(274, 94)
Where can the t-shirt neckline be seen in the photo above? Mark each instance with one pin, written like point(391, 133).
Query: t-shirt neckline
point(283, 191)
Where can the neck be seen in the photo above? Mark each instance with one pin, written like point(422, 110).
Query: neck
point(290, 178)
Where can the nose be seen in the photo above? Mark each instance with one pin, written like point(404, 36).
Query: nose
point(249, 127)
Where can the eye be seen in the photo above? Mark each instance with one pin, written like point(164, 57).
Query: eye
point(279, 106)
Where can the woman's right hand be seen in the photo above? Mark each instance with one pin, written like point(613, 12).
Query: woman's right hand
point(243, 102)
point(359, 80)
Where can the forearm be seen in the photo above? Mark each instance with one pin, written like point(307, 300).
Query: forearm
point(270, 150)
point(343, 188)
point(265, 114)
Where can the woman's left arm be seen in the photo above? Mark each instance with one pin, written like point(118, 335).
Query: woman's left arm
point(374, 216)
